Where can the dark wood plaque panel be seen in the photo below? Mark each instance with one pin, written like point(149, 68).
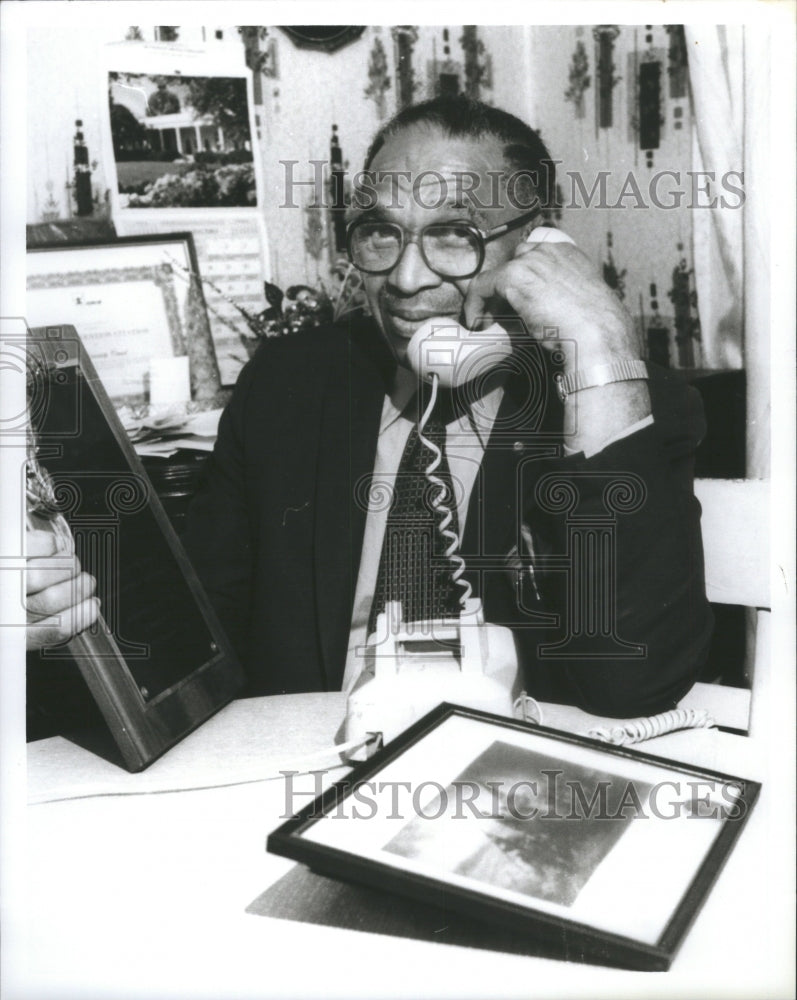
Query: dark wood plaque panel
point(158, 663)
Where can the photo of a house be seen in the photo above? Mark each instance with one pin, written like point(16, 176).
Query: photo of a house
point(181, 142)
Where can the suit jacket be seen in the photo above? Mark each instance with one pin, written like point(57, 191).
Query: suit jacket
point(596, 563)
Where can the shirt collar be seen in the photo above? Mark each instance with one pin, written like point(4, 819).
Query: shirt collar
point(478, 414)
point(399, 396)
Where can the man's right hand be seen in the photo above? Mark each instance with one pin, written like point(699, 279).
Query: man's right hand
point(60, 601)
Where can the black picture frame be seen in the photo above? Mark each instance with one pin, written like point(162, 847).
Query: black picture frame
point(158, 662)
point(325, 836)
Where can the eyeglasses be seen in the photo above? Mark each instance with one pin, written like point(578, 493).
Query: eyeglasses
point(450, 249)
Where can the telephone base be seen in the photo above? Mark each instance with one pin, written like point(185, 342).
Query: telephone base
point(412, 668)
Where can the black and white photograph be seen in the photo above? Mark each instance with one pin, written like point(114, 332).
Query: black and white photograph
point(539, 833)
point(349, 371)
point(181, 142)
point(521, 846)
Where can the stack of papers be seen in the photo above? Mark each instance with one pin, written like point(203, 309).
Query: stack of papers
point(165, 433)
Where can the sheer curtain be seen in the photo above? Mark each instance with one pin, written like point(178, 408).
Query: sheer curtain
point(729, 77)
point(716, 77)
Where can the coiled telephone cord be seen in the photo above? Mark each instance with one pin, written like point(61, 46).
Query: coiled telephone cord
point(439, 507)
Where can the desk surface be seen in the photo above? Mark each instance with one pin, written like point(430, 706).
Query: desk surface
point(138, 895)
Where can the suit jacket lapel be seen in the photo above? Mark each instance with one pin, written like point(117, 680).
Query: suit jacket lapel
point(525, 433)
point(348, 437)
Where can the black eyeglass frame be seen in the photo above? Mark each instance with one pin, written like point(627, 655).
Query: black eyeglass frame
point(409, 236)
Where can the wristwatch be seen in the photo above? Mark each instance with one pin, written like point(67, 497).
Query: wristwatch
point(588, 378)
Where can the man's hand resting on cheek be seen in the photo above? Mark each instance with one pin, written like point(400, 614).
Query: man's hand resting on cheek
point(555, 286)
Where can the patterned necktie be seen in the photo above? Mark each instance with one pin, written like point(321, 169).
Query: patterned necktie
point(413, 567)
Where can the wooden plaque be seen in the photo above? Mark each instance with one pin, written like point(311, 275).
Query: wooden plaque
point(157, 663)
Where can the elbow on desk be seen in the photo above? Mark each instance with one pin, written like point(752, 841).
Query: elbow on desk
point(652, 683)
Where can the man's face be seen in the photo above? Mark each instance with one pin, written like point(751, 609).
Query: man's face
point(411, 293)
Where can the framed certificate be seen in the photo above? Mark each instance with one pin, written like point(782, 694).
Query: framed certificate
point(134, 302)
point(604, 851)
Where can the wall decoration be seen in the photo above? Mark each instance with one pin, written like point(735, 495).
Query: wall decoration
point(404, 38)
point(82, 181)
point(448, 79)
point(645, 116)
point(315, 237)
point(578, 79)
point(605, 36)
point(378, 78)
point(337, 192)
point(657, 333)
point(322, 37)
point(260, 50)
point(613, 277)
point(658, 341)
point(687, 324)
point(51, 210)
point(677, 65)
point(649, 97)
point(445, 77)
point(477, 62)
point(85, 194)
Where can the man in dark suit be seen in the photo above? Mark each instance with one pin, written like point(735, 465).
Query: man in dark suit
point(570, 463)
point(288, 533)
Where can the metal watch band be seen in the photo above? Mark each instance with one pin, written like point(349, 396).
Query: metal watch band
point(619, 371)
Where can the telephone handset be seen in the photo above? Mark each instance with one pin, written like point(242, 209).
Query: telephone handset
point(455, 355)
point(441, 347)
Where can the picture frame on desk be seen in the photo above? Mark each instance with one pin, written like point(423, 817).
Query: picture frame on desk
point(137, 305)
point(603, 851)
point(157, 663)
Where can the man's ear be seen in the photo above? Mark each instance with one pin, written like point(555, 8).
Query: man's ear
point(535, 223)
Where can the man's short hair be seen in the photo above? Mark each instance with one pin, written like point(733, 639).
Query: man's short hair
point(461, 116)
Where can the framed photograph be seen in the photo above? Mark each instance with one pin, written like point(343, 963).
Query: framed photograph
point(607, 849)
point(157, 662)
point(135, 302)
point(181, 141)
